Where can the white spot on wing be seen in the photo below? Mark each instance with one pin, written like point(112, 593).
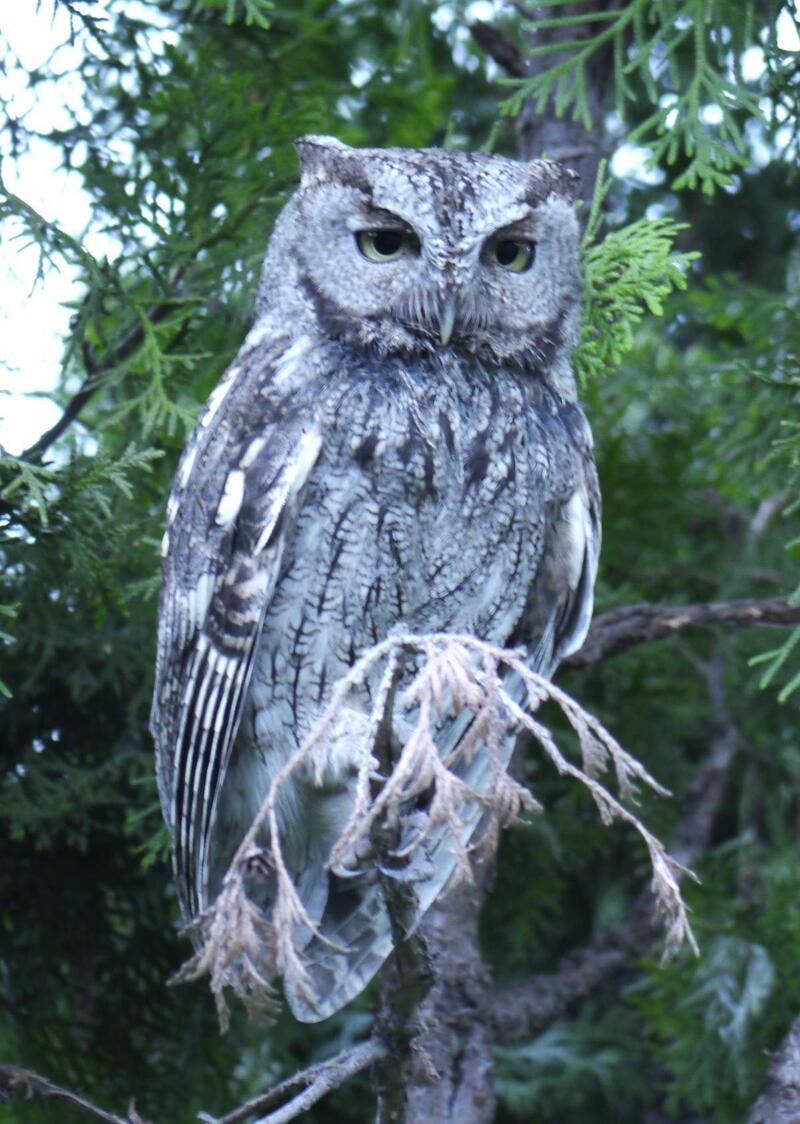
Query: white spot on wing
point(252, 451)
point(257, 334)
point(581, 562)
point(310, 445)
point(187, 464)
point(165, 544)
point(293, 477)
point(200, 599)
point(289, 365)
point(577, 519)
point(218, 396)
point(231, 501)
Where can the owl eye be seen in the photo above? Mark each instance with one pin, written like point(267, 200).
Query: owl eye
point(386, 244)
point(514, 254)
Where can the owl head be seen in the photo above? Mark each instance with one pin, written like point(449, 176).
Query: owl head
point(410, 251)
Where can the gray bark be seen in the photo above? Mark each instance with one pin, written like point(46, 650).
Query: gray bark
point(453, 1063)
point(780, 1103)
point(561, 138)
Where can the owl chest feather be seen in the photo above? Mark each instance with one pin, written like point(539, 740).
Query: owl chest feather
point(425, 512)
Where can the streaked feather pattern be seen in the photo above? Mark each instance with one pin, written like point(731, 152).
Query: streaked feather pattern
point(351, 476)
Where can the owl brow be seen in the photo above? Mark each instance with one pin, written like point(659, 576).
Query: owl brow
point(377, 218)
point(520, 228)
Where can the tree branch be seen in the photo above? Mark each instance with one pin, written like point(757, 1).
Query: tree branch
point(93, 379)
point(318, 1080)
point(454, 1068)
point(546, 130)
point(408, 977)
point(498, 46)
point(15, 1080)
point(616, 631)
point(780, 1103)
point(525, 1009)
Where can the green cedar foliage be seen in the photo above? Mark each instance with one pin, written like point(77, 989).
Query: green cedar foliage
point(684, 56)
point(184, 146)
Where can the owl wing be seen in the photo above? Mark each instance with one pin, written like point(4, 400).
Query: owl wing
point(561, 599)
point(237, 491)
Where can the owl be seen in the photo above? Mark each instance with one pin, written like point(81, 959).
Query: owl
point(398, 446)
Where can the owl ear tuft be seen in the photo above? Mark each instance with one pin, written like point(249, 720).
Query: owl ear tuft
point(321, 158)
point(546, 177)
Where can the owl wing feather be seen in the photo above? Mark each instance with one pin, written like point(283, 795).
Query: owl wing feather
point(238, 489)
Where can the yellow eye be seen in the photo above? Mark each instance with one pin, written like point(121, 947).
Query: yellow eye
point(514, 254)
point(385, 245)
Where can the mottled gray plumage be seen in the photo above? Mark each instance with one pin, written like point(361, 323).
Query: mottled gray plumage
point(397, 446)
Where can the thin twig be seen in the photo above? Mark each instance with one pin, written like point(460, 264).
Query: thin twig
point(525, 1009)
point(15, 1080)
point(94, 378)
point(497, 45)
point(318, 1080)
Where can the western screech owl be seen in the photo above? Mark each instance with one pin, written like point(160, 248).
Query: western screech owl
point(398, 445)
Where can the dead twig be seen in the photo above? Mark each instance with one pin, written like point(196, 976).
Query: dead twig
point(14, 1080)
point(317, 1081)
point(525, 1009)
point(464, 784)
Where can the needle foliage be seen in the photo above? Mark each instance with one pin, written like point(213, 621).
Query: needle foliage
point(177, 119)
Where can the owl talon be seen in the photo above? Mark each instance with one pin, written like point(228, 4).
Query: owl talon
point(362, 852)
point(257, 863)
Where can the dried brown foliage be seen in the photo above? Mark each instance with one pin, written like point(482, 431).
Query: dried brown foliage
point(449, 678)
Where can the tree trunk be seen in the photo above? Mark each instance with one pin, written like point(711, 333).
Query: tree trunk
point(448, 1075)
point(453, 1063)
point(561, 138)
point(780, 1104)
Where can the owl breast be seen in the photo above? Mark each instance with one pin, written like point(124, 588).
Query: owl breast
point(418, 516)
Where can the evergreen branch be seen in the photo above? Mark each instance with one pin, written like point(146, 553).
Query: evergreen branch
point(48, 236)
point(319, 1080)
point(96, 26)
point(629, 273)
point(644, 40)
point(127, 346)
point(139, 335)
point(254, 11)
point(623, 628)
point(14, 1080)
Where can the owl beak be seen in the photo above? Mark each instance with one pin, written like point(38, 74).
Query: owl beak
point(447, 318)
